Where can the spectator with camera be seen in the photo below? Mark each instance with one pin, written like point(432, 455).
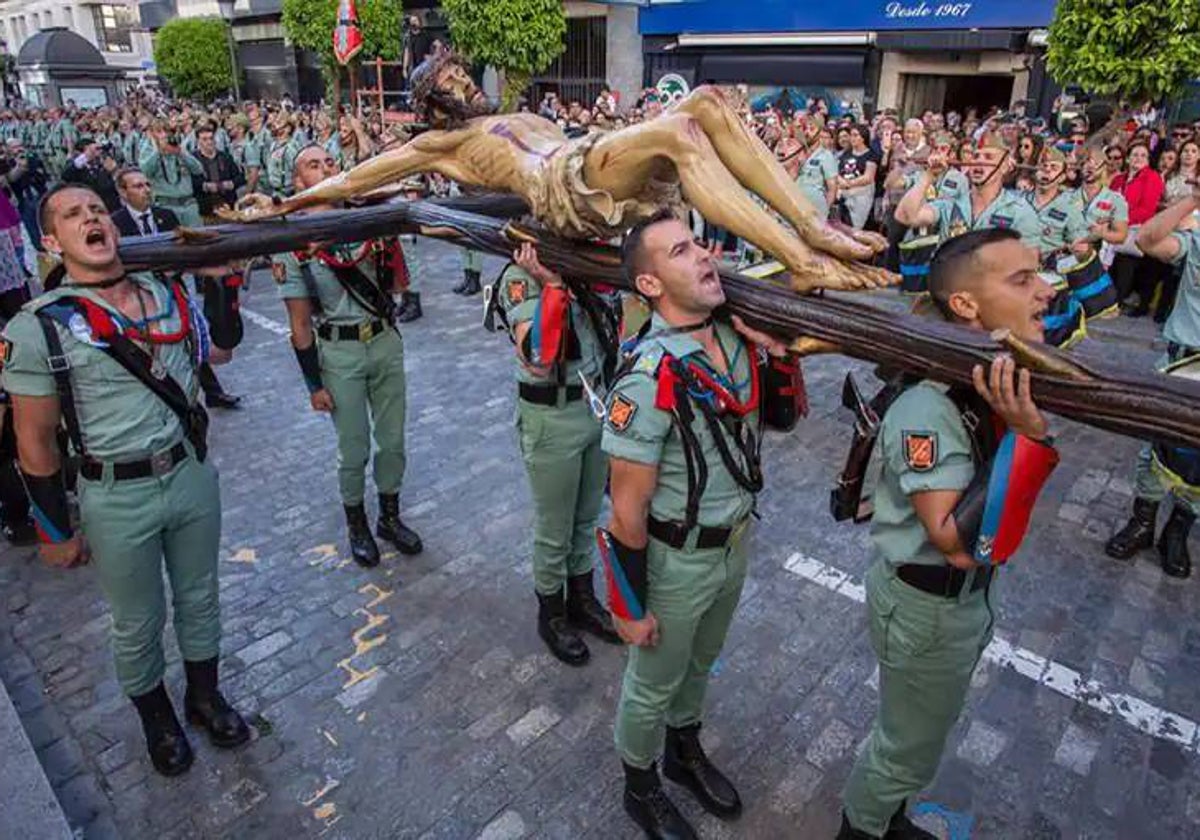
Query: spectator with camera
point(170, 170)
point(93, 167)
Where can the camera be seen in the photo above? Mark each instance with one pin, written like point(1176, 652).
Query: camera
point(171, 139)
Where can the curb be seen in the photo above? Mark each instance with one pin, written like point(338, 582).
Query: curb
point(30, 807)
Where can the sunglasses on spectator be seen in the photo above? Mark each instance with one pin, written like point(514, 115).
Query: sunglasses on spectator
point(1116, 156)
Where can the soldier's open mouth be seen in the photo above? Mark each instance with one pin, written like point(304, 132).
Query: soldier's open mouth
point(95, 237)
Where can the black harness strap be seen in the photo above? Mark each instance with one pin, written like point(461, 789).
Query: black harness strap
point(60, 368)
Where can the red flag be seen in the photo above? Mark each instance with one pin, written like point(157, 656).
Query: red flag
point(347, 37)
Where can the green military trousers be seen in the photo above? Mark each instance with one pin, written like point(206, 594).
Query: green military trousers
point(1147, 484)
point(928, 647)
point(692, 595)
point(471, 260)
point(366, 381)
point(567, 474)
point(136, 527)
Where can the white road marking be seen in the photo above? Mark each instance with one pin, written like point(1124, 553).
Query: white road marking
point(1143, 716)
point(269, 324)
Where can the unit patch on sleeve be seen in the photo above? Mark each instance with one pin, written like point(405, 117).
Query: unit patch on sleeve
point(516, 291)
point(920, 450)
point(620, 412)
point(5, 351)
point(278, 272)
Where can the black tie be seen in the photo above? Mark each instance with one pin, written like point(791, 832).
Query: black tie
point(146, 231)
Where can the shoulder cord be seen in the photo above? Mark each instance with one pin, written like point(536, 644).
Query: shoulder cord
point(693, 458)
point(606, 325)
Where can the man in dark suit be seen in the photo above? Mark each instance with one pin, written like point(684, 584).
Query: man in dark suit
point(139, 216)
point(92, 167)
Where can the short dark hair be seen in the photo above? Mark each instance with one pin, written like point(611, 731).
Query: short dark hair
point(44, 204)
point(123, 173)
point(953, 260)
point(632, 251)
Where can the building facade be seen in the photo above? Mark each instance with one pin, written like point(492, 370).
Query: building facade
point(112, 27)
point(910, 55)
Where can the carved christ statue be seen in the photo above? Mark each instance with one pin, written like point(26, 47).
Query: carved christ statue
point(602, 184)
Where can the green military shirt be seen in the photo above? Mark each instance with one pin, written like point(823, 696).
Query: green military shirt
point(120, 419)
point(336, 304)
point(635, 430)
point(60, 138)
point(520, 296)
point(257, 144)
point(171, 175)
point(1061, 220)
point(951, 186)
point(1183, 324)
point(820, 168)
point(334, 147)
point(35, 135)
point(1107, 206)
point(1009, 210)
point(280, 161)
point(922, 445)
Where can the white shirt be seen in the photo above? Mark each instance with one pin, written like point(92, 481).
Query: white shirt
point(137, 219)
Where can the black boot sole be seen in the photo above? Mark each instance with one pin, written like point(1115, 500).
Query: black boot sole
point(685, 780)
point(632, 811)
point(404, 548)
point(196, 719)
point(177, 770)
point(1126, 555)
point(574, 662)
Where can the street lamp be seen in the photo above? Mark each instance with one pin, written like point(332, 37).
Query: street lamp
point(226, 7)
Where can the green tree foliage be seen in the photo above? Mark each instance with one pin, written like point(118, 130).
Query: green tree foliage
point(192, 54)
point(310, 23)
point(520, 37)
point(1133, 48)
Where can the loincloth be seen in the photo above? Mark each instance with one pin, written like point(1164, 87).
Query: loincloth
point(561, 199)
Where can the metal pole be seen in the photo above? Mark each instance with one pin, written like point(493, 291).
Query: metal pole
point(237, 89)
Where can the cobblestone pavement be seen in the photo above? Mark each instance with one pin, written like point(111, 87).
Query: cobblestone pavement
point(416, 700)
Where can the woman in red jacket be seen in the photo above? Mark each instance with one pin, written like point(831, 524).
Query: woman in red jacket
point(1143, 189)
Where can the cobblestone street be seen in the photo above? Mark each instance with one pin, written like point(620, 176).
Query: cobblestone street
point(416, 701)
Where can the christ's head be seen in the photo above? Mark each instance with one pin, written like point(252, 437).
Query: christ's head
point(444, 93)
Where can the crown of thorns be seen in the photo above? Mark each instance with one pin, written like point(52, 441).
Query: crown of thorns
point(424, 91)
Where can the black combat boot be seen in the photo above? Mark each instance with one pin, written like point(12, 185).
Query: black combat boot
point(410, 307)
point(849, 832)
point(1172, 543)
point(169, 749)
point(390, 527)
point(470, 284)
point(902, 828)
point(556, 633)
point(685, 763)
point(204, 706)
point(649, 806)
point(585, 612)
point(362, 544)
point(1137, 534)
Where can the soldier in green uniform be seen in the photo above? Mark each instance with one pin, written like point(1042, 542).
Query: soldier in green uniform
point(1163, 239)
point(1105, 210)
point(987, 204)
point(280, 157)
point(115, 355)
point(819, 172)
point(930, 598)
point(258, 140)
point(1063, 228)
point(682, 431)
point(170, 169)
point(567, 347)
point(353, 365)
point(59, 142)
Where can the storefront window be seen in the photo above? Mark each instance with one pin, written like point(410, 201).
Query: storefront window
point(114, 27)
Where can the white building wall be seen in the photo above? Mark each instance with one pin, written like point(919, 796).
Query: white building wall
point(22, 19)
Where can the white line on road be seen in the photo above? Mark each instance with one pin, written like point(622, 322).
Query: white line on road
point(1068, 682)
point(263, 321)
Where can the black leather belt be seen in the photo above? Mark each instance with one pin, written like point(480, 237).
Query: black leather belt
point(351, 332)
point(944, 581)
point(548, 394)
point(156, 465)
point(675, 534)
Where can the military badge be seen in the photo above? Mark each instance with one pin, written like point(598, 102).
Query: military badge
point(620, 412)
point(920, 450)
point(279, 272)
point(5, 352)
point(516, 291)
